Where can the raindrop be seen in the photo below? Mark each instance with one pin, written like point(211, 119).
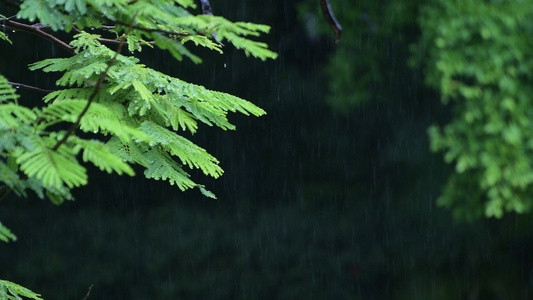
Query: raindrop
point(13, 31)
point(224, 65)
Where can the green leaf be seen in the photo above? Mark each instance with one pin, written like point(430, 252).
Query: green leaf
point(135, 105)
point(74, 5)
point(101, 156)
point(55, 198)
point(10, 290)
point(14, 116)
point(233, 32)
point(175, 47)
point(4, 37)
point(477, 59)
point(162, 167)
point(206, 193)
point(189, 153)
point(52, 168)
point(11, 178)
point(6, 235)
point(106, 118)
point(7, 92)
point(45, 12)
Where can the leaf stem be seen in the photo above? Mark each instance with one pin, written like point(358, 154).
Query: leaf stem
point(88, 293)
point(29, 87)
point(97, 88)
point(35, 29)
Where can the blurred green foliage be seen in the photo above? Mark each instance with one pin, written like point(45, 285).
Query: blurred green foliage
point(365, 63)
point(479, 56)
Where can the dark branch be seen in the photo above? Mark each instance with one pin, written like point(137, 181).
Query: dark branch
point(206, 7)
point(29, 87)
point(93, 95)
point(113, 41)
point(206, 10)
point(88, 293)
point(330, 17)
point(36, 29)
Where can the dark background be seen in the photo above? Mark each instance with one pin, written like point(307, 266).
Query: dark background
point(318, 201)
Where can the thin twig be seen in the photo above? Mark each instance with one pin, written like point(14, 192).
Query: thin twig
point(36, 29)
point(206, 7)
point(206, 10)
point(88, 293)
point(93, 95)
point(29, 87)
point(112, 41)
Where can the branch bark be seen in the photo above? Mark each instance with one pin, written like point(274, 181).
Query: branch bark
point(96, 90)
point(29, 87)
point(88, 293)
point(37, 29)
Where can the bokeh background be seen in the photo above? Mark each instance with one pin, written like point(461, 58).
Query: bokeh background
point(331, 195)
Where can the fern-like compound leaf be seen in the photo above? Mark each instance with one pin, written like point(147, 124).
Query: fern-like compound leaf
point(163, 167)
point(4, 37)
point(234, 32)
point(101, 156)
point(178, 50)
point(45, 12)
point(53, 168)
point(10, 290)
point(6, 235)
point(13, 115)
point(189, 153)
point(7, 92)
point(140, 109)
point(206, 192)
point(106, 118)
point(12, 179)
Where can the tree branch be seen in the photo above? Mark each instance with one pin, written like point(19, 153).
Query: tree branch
point(38, 29)
point(97, 88)
point(88, 293)
point(111, 41)
point(29, 87)
point(35, 29)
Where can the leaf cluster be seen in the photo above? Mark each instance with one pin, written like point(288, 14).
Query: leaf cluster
point(479, 58)
point(127, 113)
point(166, 24)
point(136, 109)
point(140, 109)
point(10, 291)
